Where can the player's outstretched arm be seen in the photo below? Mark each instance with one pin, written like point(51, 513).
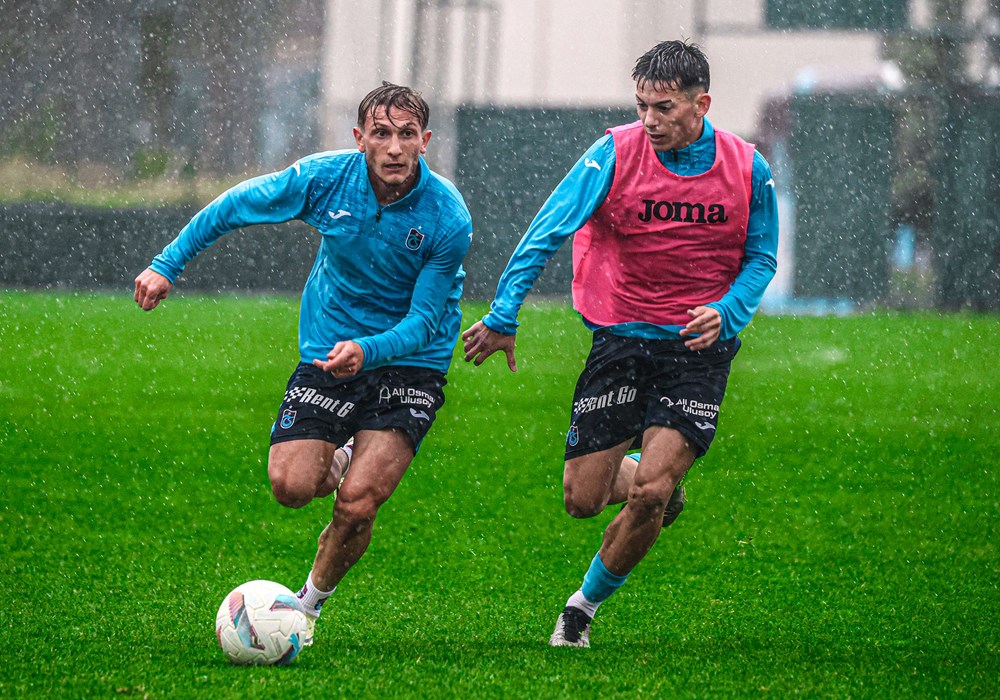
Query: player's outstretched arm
point(481, 341)
point(150, 289)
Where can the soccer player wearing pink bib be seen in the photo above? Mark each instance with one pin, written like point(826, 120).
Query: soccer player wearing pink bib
point(676, 239)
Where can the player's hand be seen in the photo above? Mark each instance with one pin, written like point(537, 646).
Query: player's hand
point(150, 289)
point(706, 323)
point(481, 341)
point(345, 360)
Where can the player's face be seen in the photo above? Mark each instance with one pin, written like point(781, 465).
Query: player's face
point(672, 118)
point(392, 145)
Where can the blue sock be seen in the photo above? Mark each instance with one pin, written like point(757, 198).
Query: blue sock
point(599, 583)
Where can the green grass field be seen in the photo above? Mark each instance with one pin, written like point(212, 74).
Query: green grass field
point(840, 539)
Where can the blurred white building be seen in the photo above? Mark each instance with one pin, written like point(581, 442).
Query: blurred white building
point(578, 53)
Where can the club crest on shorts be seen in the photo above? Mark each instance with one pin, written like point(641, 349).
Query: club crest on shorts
point(287, 418)
point(573, 437)
point(413, 239)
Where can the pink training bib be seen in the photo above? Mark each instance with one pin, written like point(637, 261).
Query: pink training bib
point(661, 243)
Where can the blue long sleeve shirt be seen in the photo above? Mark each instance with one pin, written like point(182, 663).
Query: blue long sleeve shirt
point(387, 277)
point(585, 188)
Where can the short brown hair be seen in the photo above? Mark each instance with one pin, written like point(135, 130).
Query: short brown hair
point(398, 96)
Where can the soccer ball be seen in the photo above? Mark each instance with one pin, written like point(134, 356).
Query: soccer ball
point(260, 622)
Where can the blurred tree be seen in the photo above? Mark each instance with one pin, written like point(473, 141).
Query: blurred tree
point(158, 75)
point(76, 59)
point(120, 81)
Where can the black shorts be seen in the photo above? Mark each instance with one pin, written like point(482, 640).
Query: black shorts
point(629, 384)
point(319, 406)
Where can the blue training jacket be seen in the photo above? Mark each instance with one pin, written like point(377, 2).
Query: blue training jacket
point(585, 188)
point(388, 277)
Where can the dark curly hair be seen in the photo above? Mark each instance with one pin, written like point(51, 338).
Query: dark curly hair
point(676, 64)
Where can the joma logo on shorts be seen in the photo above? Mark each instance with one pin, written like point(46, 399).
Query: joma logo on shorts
point(688, 212)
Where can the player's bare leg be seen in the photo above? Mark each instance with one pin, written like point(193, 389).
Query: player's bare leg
point(623, 481)
point(338, 468)
point(666, 457)
point(298, 469)
point(381, 457)
point(625, 478)
point(592, 481)
point(651, 482)
point(301, 470)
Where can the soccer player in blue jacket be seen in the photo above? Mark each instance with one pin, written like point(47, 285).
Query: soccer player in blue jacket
point(676, 239)
point(378, 321)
